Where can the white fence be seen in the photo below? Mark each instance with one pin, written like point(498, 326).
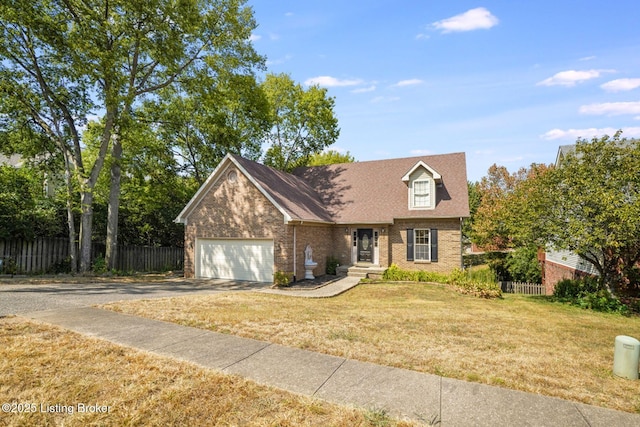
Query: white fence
point(522, 288)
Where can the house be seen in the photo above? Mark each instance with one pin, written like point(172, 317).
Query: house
point(248, 221)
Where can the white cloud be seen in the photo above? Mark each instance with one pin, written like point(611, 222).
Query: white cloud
point(574, 134)
point(473, 19)
point(328, 81)
point(619, 85)
point(587, 58)
point(422, 36)
point(409, 82)
point(254, 37)
point(611, 108)
point(364, 89)
point(571, 77)
point(288, 14)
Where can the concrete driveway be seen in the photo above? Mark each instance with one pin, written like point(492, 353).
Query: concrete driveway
point(27, 297)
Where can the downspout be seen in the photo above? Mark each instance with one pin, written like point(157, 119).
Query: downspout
point(295, 251)
point(461, 246)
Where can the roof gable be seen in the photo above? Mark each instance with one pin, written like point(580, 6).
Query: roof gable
point(291, 196)
point(435, 175)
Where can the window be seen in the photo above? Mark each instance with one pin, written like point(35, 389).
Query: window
point(421, 194)
point(422, 246)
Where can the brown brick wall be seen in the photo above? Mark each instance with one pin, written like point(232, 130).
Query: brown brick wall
point(321, 240)
point(342, 244)
point(552, 273)
point(449, 251)
point(239, 210)
point(236, 210)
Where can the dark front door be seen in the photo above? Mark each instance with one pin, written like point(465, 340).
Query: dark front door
point(365, 245)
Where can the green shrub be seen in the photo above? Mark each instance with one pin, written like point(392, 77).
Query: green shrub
point(588, 294)
point(497, 262)
point(99, 265)
point(9, 266)
point(282, 278)
point(485, 275)
point(602, 301)
point(458, 279)
point(396, 274)
point(464, 283)
point(572, 289)
point(523, 266)
point(332, 265)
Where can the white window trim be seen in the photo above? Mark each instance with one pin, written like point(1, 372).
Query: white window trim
point(431, 185)
point(416, 244)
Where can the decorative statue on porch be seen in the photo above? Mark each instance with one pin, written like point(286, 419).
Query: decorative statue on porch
point(308, 254)
point(309, 265)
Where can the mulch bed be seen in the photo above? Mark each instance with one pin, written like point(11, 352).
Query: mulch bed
point(316, 283)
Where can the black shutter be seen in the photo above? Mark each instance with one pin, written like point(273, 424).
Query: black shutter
point(409, 244)
point(434, 245)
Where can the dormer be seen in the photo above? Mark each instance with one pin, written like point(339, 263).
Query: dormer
point(421, 181)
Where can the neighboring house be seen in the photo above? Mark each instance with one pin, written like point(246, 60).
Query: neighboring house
point(560, 265)
point(13, 160)
point(248, 221)
point(16, 161)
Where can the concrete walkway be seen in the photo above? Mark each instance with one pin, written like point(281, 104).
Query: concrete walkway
point(403, 393)
point(327, 291)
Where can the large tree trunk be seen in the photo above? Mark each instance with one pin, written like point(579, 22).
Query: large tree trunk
point(86, 222)
point(111, 254)
point(73, 251)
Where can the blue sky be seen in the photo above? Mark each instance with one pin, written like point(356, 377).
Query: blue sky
point(507, 82)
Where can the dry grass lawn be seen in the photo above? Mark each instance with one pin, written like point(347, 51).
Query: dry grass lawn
point(44, 365)
point(522, 343)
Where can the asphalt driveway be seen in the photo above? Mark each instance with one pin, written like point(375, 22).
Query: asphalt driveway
point(22, 298)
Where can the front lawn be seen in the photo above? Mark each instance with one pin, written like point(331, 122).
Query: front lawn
point(49, 376)
point(518, 342)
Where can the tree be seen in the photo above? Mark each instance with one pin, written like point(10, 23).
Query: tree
point(590, 204)
point(329, 157)
point(25, 211)
point(228, 115)
point(61, 60)
point(503, 199)
point(475, 199)
point(490, 227)
point(303, 122)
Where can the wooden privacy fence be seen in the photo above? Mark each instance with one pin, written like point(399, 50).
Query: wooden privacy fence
point(145, 258)
point(50, 255)
point(522, 288)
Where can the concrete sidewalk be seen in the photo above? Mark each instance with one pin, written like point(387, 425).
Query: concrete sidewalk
point(403, 393)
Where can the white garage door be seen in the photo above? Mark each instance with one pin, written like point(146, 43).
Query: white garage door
point(235, 259)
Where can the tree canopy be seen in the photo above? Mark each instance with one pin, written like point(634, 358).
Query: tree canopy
point(63, 61)
point(329, 157)
point(590, 204)
point(303, 122)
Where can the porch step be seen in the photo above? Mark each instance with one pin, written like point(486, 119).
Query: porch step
point(359, 270)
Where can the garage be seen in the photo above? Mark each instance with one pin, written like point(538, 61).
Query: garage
point(235, 259)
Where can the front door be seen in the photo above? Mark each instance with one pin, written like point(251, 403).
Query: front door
point(365, 245)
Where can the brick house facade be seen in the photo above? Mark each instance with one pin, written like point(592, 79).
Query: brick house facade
point(249, 221)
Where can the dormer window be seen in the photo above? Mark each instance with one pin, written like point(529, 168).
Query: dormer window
point(421, 198)
point(421, 181)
